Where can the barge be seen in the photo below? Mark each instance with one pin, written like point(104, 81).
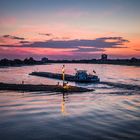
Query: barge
point(49, 88)
point(80, 76)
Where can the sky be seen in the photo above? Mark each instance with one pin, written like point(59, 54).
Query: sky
point(69, 29)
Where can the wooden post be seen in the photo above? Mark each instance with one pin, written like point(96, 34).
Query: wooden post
point(63, 74)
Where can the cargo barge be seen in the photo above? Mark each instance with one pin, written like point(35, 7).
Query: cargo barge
point(80, 76)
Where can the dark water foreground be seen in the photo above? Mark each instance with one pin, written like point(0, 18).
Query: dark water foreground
point(88, 116)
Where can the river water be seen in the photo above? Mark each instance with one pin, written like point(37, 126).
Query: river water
point(108, 113)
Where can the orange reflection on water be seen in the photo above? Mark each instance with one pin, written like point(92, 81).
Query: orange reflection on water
point(63, 106)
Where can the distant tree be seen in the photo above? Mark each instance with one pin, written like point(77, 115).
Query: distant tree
point(17, 62)
point(104, 57)
point(133, 59)
point(29, 61)
point(25, 60)
point(44, 60)
point(5, 62)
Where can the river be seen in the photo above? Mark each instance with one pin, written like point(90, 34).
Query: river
point(108, 113)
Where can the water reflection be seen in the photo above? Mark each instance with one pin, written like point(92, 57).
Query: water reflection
point(63, 106)
point(69, 116)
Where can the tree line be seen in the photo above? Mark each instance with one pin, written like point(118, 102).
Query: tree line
point(44, 60)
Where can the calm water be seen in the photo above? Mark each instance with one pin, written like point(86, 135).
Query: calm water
point(110, 113)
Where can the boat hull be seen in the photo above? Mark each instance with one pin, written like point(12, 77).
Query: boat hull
point(68, 77)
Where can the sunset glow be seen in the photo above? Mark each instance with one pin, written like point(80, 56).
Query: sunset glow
point(75, 29)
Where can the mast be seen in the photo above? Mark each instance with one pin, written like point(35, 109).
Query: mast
point(63, 75)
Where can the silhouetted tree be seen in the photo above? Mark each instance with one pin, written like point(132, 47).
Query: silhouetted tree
point(5, 62)
point(133, 59)
point(44, 60)
point(17, 62)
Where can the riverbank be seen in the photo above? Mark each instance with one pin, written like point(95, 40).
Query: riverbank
point(31, 88)
point(30, 61)
point(125, 62)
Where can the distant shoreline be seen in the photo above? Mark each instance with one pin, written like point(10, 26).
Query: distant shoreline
point(121, 64)
point(30, 61)
point(126, 62)
point(6, 66)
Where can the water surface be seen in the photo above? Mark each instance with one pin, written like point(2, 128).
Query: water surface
point(110, 113)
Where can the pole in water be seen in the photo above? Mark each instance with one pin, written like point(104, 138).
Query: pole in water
point(63, 74)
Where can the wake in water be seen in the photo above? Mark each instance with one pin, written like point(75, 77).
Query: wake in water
point(124, 86)
point(113, 88)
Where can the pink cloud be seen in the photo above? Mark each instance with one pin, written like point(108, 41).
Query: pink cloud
point(8, 41)
point(18, 52)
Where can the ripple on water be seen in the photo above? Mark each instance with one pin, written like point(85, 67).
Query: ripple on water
point(70, 116)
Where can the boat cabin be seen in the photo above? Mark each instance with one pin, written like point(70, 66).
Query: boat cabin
point(81, 75)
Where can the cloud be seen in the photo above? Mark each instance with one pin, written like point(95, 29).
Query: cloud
point(25, 42)
point(137, 50)
point(80, 45)
point(13, 37)
point(47, 34)
point(119, 39)
point(89, 49)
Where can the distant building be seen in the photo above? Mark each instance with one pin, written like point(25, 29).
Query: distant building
point(104, 57)
point(44, 60)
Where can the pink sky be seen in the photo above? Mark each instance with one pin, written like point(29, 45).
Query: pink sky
point(88, 22)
